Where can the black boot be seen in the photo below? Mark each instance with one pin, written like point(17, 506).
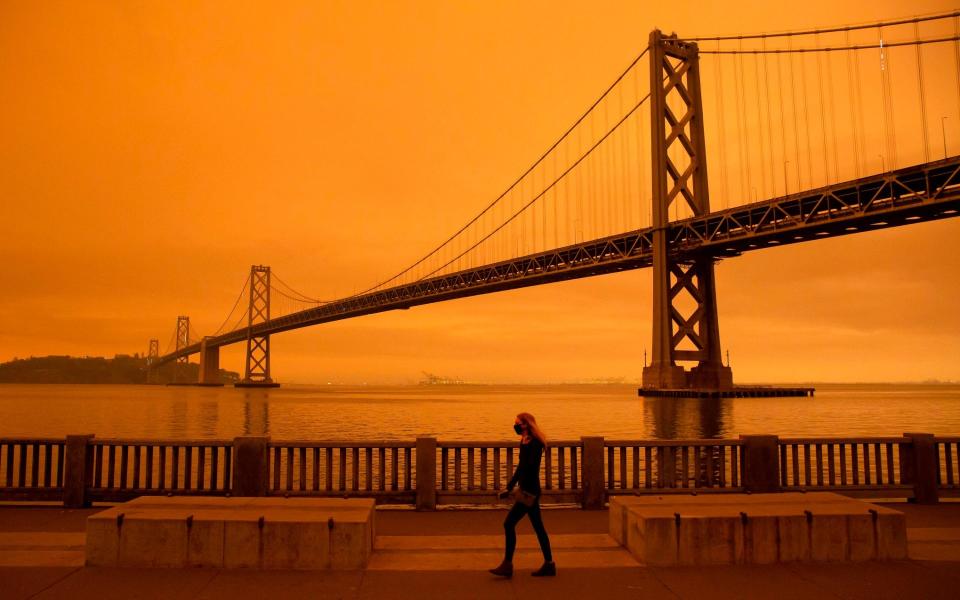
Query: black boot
point(504, 570)
point(549, 569)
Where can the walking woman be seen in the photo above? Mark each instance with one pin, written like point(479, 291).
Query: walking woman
point(526, 497)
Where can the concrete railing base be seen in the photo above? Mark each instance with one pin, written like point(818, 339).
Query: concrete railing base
point(756, 529)
point(256, 533)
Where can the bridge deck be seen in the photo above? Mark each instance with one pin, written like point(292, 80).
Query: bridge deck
point(914, 194)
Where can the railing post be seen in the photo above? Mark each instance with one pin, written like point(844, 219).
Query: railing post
point(78, 465)
point(251, 466)
point(426, 473)
point(760, 465)
point(920, 465)
point(591, 473)
point(667, 466)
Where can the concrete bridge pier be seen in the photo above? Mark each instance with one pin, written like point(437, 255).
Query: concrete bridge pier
point(209, 364)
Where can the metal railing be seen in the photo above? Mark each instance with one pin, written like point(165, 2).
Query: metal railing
point(31, 468)
point(83, 469)
point(472, 472)
point(850, 465)
point(948, 471)
point(125, 469)
point(684, 465)
point(383, 470)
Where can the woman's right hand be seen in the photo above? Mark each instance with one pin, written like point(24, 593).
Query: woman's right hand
point(504, 495)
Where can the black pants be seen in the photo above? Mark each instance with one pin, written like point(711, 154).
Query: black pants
point(510, 529)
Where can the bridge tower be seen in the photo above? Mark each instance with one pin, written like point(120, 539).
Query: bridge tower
point(152, 355)
point(685, 327)
point(257, 372)
point(183, 340)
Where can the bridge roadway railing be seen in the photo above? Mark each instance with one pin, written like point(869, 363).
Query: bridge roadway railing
point(918, 193)
point(81, 469)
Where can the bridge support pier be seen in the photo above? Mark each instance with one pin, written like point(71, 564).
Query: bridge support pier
point(209, 364)
point(685, 324)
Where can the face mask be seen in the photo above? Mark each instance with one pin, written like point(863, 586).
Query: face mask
point(517, 428)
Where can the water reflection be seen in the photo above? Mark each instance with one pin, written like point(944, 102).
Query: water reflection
point(178, 423)
point(209, 417)
point(256, 414)
point(475, 412)
point(685, 418)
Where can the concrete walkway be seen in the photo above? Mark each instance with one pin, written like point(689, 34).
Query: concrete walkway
point(446, 554)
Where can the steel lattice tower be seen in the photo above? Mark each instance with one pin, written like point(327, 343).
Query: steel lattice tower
point(152, 355)
point(258, 347)
point(183, 340)
point(678, 150)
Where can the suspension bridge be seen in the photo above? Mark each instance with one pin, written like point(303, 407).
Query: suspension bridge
point(811, 134)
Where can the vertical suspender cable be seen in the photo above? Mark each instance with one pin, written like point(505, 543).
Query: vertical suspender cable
point(745, 183)
point(625, 178)
point(833, 117)
point(566, 195)
point(923, 100)
point(823, 115)
point(956, 64)
point(806, 119)
point(859, 95)
point(766, 98)
point(756, 96)
point(612, 183)
point(853, 85)
point(721, 133)
point(544, 200)
point(581, 190)
point(556, 201)
point(783, 127)
point(746, 126)
point(641, 142)
point(885, 93)
point(793, 106)
point(593, 196)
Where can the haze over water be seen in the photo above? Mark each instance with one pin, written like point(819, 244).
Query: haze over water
point(466, 412)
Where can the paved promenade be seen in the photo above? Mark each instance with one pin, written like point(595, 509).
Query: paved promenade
point(446, 554)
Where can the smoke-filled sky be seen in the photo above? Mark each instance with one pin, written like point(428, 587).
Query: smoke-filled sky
point(151, 152)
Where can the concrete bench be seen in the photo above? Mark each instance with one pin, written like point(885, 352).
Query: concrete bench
point(257, 533)
point(755, 529)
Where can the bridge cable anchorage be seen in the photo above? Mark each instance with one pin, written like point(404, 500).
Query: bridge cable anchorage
point(839, 29)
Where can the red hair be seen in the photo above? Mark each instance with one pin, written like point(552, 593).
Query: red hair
point(532, 427)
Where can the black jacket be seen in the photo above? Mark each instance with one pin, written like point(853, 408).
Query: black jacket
point(528, 467)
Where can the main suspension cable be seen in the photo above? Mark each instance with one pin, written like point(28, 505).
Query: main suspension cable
point(843, 28)
point(516, 181)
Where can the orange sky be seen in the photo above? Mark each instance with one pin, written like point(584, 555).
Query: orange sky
point(150, 152)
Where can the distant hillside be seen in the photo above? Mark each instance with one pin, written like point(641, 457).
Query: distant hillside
point(95, 369)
